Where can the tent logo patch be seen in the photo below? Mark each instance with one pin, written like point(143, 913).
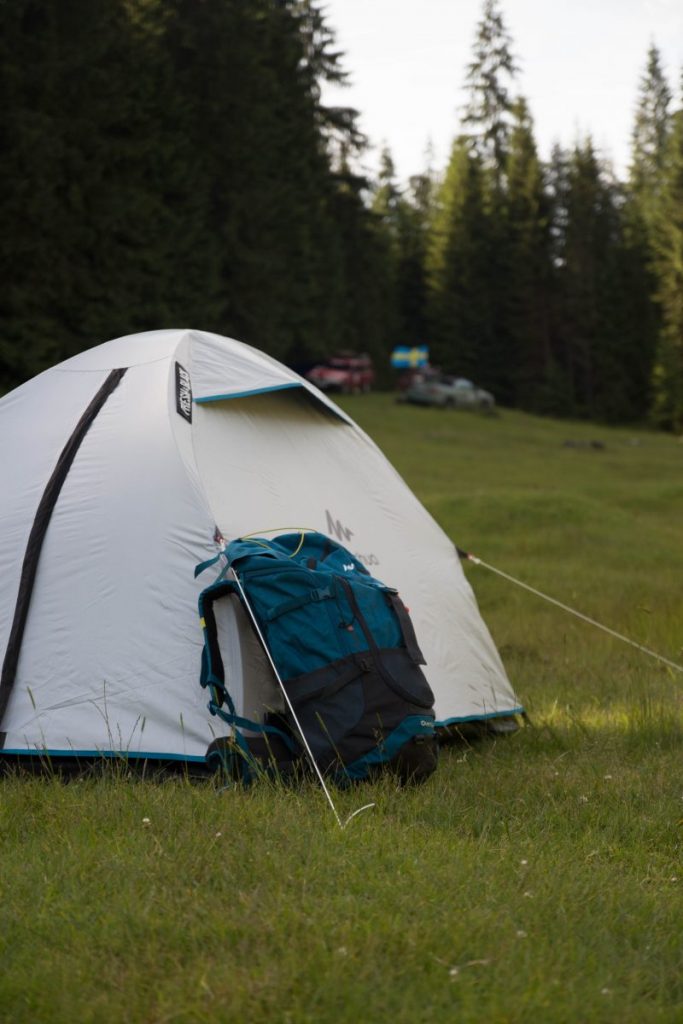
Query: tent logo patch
point(335, 528)
point(183, 393)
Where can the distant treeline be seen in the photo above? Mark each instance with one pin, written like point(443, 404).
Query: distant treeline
point(172, 163)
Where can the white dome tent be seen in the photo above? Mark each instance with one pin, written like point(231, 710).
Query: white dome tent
point(120, 470)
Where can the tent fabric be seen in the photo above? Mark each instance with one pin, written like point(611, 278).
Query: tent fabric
point(111, 649)
point(38, 530)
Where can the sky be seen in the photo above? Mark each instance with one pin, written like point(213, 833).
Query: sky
point(580, 65)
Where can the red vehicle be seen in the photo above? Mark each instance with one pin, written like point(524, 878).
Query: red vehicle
point(348, 372)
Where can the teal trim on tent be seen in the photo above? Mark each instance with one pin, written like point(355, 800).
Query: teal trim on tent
point(246, 394)
point(479, 718)
point(123, 754)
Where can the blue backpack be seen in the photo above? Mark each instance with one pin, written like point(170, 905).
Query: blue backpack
point(346, 653)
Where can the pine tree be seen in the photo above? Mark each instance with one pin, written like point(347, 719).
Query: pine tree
point(413, 225)
point(529, 270)
point(321, 62)
point(461, 315)
point(368, 297)
point(593, 306)
point(385, 206)
point(489, 76)
point(168, 162)
point(560, 382)
point(668, 247)
point(643, 197)
point(249, 71)
point(480, 334)
point(89, 243)
point(404, 216)
point(649, 138)
point(386, 197)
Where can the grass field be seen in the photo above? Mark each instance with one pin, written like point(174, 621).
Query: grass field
point(533, 879)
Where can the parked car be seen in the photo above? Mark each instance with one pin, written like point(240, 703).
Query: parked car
point(416, 374)
point(347, 372)
point(449, 392)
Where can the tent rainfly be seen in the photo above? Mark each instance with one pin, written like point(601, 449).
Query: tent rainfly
point(122, 468)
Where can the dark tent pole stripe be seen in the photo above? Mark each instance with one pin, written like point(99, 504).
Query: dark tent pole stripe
point(36, 537)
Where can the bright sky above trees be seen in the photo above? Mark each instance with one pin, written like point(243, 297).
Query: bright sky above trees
point(580, 63)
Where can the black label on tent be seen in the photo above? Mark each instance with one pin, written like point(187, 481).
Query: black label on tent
point(183, 392)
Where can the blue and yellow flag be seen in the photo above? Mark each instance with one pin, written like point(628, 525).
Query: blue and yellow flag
point(405, 358)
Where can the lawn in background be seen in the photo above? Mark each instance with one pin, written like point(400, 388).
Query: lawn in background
point(536, 878)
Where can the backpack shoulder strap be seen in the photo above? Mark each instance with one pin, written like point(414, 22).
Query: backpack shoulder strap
point(407, 628)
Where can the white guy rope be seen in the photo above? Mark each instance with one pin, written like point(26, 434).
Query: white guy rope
point(573, 611)
point(293, 712)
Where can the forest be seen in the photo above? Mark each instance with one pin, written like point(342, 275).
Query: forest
point(172, 163)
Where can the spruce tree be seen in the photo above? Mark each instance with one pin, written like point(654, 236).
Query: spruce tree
point(480, 335)
point(488, 113)
point(668, 248)
point(560, 382)
point(322, 62)
point(168, 162)
point(92, 158)
point(368, 296)
point(387, 194)
point(413, 225)
point(642, 199)
point(649, 137)
point(594, 307)
point(528, 270)
point(461, 316)
point(385, 205)
point(253, 117)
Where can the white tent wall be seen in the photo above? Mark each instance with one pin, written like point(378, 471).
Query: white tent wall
point(278, 457)
point(110, 655)
point(111, 651)
point(35, 422)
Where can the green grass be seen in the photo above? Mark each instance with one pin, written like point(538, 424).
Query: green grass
point(537, 878)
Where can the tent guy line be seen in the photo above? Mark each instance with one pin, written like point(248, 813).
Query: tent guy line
point(467, 557)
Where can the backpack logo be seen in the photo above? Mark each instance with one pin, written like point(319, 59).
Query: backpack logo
point(342, 533)
point(183, 393)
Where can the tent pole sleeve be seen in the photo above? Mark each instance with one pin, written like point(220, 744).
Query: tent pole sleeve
point(37, 535)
